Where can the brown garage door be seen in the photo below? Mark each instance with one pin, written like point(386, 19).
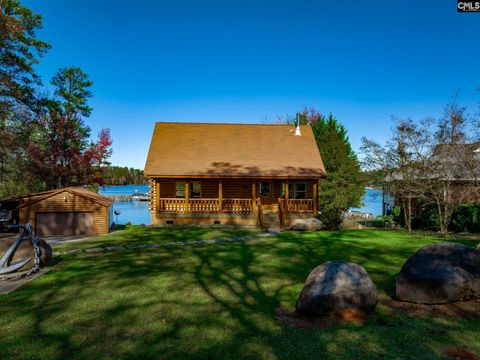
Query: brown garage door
point(65, 223)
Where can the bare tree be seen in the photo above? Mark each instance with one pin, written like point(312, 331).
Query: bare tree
point(432, 161)
point(453, 167)
point(397, 163)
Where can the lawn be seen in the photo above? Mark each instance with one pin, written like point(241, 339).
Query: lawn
point(218, 301)
point(151, 235)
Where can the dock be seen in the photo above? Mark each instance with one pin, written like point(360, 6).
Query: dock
point(126, 198)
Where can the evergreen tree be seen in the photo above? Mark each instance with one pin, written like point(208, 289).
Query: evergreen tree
point(20, 50)
point(343, 186)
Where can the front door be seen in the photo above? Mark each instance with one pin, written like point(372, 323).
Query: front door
point(265, 192)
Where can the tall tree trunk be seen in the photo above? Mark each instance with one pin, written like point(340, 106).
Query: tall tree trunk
point(441, 217)
point(446, 217)
point(409, 217)
point(404, 207)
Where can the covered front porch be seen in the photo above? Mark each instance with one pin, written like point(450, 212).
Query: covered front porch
point(232, 196)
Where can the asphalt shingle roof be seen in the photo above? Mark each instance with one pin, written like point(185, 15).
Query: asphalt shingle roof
point(233, 150)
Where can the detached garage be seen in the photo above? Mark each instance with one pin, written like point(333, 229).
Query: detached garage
point(68, 211)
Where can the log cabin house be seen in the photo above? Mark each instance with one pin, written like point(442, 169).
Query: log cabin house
point(232, 174)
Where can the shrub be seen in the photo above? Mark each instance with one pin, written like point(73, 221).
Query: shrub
point(466, 218)
point(427, 219)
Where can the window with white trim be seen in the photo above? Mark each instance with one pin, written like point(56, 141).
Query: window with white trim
point(297, 190)
point(180, 189)
point(195, 189)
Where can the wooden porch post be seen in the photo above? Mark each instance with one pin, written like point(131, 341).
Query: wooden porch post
point(254, 195)
point(315, 197)
point(286, 196)
point(157, 195)
point(187, 195)
point(220, 196)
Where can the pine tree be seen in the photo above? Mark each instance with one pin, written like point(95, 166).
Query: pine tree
point(20, 50)
point(343, 187)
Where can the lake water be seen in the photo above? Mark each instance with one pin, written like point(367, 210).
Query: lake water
point(372, 202)
point(137, 212)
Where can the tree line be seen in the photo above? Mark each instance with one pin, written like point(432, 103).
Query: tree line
point(117, 175)
point(44, 141)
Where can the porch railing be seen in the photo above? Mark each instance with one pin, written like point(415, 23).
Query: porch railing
point(201, 206)
point(232, 206)
point(299, 205)
point(237, 206)
point(281, 212)
point(259, 210)
point(172, 205)
point(205, 206)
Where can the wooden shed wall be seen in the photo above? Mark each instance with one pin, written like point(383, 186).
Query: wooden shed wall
point(74, 203)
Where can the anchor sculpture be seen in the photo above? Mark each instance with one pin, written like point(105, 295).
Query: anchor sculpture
point(7, 268)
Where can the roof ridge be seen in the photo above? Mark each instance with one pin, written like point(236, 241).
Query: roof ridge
point(221, 123)
point(74, 190)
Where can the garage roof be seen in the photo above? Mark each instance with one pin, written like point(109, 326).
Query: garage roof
point(79, 191)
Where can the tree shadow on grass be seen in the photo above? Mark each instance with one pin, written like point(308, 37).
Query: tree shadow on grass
point(207, 302)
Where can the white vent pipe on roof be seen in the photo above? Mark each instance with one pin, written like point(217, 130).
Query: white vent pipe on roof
point(297, 127)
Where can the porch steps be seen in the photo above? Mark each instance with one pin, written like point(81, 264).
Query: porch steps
point(271, 219)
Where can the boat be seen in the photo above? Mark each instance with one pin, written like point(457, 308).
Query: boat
point(140, 197)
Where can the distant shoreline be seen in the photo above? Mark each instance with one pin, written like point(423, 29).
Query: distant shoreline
point(124, 185)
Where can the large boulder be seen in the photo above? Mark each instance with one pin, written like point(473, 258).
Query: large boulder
point(337, 286)
point(310, 224)
point(25, 251)
point(440, 273)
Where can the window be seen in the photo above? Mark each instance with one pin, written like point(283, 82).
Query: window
point(264, 188)
point(180, 189)
point(300, 191)
point(195, 189)
point(297, 190)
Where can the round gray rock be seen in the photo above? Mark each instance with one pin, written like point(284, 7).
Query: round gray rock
point(440, 273)
point(310, 224)
point(337, 286)
point(25, 251)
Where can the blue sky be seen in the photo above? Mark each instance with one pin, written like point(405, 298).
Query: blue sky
point(251, 61)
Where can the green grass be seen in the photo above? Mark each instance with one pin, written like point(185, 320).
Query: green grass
point(149, 235)
point(217, 302)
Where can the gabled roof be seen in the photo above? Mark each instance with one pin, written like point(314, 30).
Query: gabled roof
point(452, 162)
point(441, 149)
point(79, 191)
point(232, 150)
